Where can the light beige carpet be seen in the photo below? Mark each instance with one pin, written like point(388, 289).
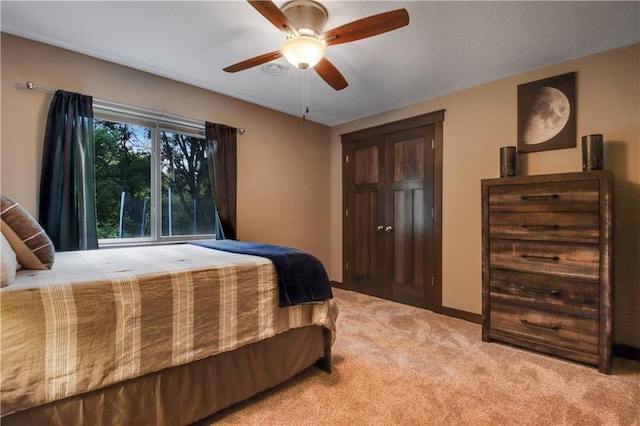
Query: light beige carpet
point(396, 364)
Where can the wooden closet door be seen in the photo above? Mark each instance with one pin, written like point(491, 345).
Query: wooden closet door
point(408, 212)
point(392, 198)
point(366, 269)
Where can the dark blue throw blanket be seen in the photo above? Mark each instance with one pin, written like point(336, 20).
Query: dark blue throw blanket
point(301, 277)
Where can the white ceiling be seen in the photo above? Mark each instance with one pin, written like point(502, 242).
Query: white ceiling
point(447, 46)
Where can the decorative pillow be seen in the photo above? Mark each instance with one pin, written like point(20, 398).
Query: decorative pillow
point(33, 248)
point(9, 263)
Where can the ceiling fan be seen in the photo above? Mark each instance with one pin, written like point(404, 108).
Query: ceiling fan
point(302, 22)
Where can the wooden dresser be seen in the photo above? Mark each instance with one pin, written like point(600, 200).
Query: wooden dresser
point(547, 265)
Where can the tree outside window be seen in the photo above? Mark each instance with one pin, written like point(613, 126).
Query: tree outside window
point(126, 189)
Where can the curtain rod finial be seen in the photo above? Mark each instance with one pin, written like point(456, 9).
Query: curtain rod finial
point(241, 130)
point(31, 85)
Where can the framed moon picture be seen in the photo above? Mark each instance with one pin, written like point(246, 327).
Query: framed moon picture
point(547, 114)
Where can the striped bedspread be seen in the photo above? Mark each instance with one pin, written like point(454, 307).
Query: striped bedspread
point(104, 316)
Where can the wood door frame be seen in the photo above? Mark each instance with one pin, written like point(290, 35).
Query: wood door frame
point(435, 118)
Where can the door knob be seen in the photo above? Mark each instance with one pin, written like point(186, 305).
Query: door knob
point(380, 228)
point(388, 229)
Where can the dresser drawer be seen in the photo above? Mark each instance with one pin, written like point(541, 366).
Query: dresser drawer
point(580, 196)
point(563, 295)
point(550, 328)
point(547, 226)
point(559, 259)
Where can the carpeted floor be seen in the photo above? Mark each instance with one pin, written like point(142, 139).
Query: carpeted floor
point(400, 365)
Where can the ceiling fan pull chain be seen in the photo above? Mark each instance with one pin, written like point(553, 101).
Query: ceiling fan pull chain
point(306, 91)
point(305, 95)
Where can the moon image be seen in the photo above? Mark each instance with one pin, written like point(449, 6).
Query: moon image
point(548, 115)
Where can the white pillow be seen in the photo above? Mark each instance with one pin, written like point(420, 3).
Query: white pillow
point(9, 263)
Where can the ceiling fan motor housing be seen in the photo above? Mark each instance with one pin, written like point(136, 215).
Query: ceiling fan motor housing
point(309, 17)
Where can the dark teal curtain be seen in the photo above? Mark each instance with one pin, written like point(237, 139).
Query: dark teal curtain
point(222, 154)
point(67, 183)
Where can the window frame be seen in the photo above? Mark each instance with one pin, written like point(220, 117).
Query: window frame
point(156, 124)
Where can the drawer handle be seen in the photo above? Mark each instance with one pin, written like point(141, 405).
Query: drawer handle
point(539, 197)
point(554, 226)
point(539, 290)
point(533, 324)
point(531, 256)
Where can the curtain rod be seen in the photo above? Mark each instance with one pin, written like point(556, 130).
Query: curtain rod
point(117, 107)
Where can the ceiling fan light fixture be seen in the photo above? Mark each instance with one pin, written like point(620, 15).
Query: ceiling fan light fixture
point(303, 51)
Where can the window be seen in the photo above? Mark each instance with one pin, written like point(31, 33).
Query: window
point(152, 181)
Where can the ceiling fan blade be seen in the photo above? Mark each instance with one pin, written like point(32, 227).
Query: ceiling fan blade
point(274, 15)
point(367, 27)
point(252, 62)
point(330, 74)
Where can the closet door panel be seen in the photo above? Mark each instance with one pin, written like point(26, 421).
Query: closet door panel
point(409, 247)
point(409, 174)
point(367, 269)
point(367, 165)
point(408, 159)
point(365, 212)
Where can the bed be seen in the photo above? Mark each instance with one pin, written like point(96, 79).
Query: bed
point(151, 335)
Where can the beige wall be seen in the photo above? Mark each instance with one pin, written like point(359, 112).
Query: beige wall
point(481, 119)
point(283, 196)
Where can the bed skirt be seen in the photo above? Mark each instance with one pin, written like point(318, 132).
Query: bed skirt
point(187, 393)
